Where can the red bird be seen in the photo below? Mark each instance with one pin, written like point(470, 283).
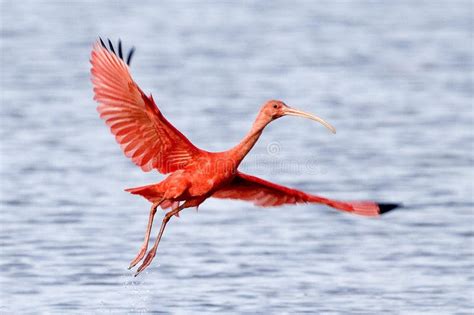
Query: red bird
point(152, 142)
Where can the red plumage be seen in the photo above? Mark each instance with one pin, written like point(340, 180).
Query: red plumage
point(266, 194)
point(151, 142)
point(142, 131)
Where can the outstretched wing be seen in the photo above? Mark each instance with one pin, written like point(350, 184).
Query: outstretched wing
point(139, 127)
point(266, 194)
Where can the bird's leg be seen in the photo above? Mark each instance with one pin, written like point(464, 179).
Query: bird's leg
point(151, 254)
point(142, 251)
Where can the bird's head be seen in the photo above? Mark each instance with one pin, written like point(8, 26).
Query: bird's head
point(275, 109)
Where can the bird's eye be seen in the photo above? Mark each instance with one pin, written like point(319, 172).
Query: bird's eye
point(275, 106)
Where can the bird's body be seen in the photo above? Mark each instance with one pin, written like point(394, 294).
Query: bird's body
point(194, 174)
point(198, 180)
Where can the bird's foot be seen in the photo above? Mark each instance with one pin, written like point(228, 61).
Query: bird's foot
point(149, 258)
point(139, 257)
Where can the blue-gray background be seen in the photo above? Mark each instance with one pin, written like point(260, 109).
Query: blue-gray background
point(395, 78)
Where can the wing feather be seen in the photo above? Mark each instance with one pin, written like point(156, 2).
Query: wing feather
point(139, 127)
point(267, 194)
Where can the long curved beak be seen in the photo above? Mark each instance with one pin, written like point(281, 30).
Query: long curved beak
point(295, 112)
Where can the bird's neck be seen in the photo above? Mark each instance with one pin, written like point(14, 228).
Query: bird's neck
point(239, 152)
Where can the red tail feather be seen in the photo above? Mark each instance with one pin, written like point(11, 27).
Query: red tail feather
point(150, 192)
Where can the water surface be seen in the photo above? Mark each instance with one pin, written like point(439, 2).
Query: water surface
point(394, 78)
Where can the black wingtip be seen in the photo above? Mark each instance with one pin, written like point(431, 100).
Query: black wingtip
point(102, 43)
point(386, 207)
point(119, 52)
point(130, 54)
point(120, 49)
point(111, 46)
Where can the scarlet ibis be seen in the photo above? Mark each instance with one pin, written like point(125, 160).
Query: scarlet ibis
point(152, 143)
